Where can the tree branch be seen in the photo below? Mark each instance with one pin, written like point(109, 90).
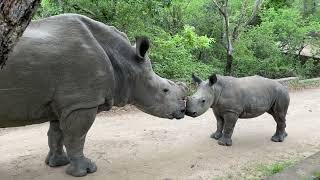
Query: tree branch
point(77, 7)
point(236, 29)
point(219, 8)
point(255, 11)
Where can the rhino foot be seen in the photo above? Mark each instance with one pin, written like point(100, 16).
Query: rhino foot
point(81, 167)
point(216, 135)
point(54, 160)
point(225, 141)
point(279, 137)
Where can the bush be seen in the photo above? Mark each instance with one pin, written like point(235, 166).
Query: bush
point(172, 55)
point(183, 34)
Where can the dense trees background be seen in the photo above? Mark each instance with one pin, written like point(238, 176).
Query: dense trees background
point(265, 37)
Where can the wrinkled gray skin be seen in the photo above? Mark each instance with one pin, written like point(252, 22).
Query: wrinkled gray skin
point(232, 98)
point(65, 69)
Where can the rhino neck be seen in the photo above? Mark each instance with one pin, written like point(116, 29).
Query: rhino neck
point(124, 76)
point(217, 90)
point(120, 52)
point(123, 87)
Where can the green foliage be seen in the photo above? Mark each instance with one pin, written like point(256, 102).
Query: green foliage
point(268, 170)
point(187, 35)
point(172, 55)
point(261, 49)
point(309, 69)
point(277, 4)
point(48, 8)
point(316, 175)
point(258, 53)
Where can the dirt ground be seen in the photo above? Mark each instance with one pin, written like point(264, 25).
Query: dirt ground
point(129, 144)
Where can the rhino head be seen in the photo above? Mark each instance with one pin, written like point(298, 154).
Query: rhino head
point(203, 98)
point(153, 94)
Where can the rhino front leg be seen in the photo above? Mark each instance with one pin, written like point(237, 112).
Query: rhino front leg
point(56, 155)
point(230, 120)
point(220, 123)
point(75, 128)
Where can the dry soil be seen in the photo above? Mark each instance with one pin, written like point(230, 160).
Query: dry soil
point(129, 144)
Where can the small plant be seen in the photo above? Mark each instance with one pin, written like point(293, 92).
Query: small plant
point(316, 175)
point(268, 170)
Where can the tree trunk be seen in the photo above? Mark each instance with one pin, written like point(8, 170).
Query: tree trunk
point(228, 69)
point(15, 15)
point(304, 7)
point(231, 37)
point(314, 6)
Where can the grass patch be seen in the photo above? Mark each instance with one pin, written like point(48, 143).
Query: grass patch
point(268, 170)
point(316, 175)
point(260, 171)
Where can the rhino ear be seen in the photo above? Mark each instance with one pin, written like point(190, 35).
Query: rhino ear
point(142, 46)
point(196, 79)
point(212, 79)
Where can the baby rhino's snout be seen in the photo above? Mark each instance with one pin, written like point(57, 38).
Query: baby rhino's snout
point(189, 107)
point(192, 114)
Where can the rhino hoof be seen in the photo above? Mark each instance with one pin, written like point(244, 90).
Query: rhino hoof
point(54, 160)
point(279, 137)
point(225, 141)
point(81, 167)
point(216, 135)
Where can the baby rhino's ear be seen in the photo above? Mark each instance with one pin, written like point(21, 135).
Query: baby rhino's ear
point(212, 79)
point(196, 79)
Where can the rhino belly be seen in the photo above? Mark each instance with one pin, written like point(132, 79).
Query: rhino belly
point(255, 107)
point(19, 108)
point(25, 93)
point(245, 114)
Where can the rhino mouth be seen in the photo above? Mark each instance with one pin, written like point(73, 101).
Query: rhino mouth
point(178, 115)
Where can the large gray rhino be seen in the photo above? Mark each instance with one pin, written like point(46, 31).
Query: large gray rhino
point(232, 98)
point(65, 69)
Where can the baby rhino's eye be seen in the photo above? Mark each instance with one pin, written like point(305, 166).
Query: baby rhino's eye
point(203, 101)
point(165, 90)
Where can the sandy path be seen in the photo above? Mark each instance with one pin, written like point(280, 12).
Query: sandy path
point(134, 145)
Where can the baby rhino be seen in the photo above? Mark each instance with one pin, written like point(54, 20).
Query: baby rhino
point(232, 98)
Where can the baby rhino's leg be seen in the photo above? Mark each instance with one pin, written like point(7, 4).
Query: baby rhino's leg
point(230, 120)
point(220, 123)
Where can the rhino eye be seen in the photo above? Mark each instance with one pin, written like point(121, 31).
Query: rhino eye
point(203, 101)
point(165, 90)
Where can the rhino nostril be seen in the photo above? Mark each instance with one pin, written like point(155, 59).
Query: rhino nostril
point(194, 113)
point(183, 110)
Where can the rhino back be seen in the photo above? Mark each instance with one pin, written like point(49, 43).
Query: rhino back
point(249, 96)
point(56, 66)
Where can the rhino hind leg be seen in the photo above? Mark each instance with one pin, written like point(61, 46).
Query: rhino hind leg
point(56, 155)
point(280, 133)
point(279, 112)
point(230, 120)
point(220, 123)
point(75, 128)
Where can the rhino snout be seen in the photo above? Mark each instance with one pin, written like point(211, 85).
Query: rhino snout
point(190, 110)
point(180, 114)
point(191, 114)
